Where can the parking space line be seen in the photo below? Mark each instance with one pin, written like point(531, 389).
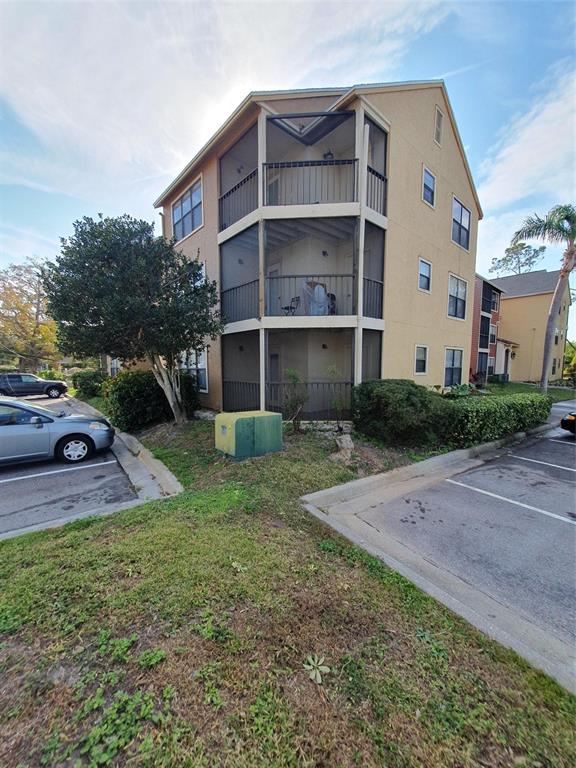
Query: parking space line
point(58, 471)
point(562, 442)
point(547, 463)
point(511, 501)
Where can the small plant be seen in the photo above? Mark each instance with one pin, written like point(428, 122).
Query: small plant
point(315, 667)
point(117, 648)
point(208, 675)
point(458, 390)
point(151, 658)
point(213, 628)
point(295, 399)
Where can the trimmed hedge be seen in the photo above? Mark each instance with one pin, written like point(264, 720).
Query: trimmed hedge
point(136, 400)
point(401, 413)
point(89, 383)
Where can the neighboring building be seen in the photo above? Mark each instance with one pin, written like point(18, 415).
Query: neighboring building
point(525, 304)
point(340, 225)
point(485, 322)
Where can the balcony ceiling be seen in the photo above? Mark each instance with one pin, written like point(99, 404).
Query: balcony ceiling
point(308, 128)
point(332, 230)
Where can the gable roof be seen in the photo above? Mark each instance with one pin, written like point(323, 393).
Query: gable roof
point(528, 284)
point(342, 96)
point(490, 282)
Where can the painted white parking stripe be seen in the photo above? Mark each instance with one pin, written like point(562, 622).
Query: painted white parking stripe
point(58, 471)
point(547, 463)
point(562, 442)
point(511, 501)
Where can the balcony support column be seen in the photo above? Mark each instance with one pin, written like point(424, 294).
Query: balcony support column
point(262, 356)
point(261, 268)
point(261, 154)
point(357, 355)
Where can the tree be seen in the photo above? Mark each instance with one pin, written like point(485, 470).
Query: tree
point(557, 227)
point(117, 289)
point(518, 258)
point(26, 332)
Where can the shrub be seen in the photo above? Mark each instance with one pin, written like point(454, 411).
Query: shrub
point(482, 419)
point(88, 383)
point(398, 412)
point(50, 374)
point(136, 400)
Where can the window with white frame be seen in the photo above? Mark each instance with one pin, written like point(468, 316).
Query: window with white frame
point(491, 365)
point(424, 275)
point(457, 290)
point(460, 224)
point(195, 363)
point(428, 187)
point(493, 334)
point(421, 361)
point(453, 367)
point(495, 301)
point(187, 211)
point(438, 126)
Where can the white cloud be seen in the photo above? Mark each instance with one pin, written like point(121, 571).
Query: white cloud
point(535, 153)
point(118, 92)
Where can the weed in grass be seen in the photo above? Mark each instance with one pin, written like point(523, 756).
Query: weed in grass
point(315, 667)
point(117, 649)
point(151, 658)
point(209, 675)
point(214, 628)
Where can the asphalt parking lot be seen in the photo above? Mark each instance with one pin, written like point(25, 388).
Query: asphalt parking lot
point(35, 494)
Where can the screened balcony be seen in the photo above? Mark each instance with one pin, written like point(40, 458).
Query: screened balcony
point(376, 179)
point(241, 371)
point(239, 296)
point(239, 179)
point(310, 159)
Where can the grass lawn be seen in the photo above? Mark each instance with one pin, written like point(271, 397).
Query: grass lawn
point(514, 388)
point(187, 633)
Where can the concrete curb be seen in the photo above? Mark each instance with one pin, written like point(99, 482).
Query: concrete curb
point(149, 476)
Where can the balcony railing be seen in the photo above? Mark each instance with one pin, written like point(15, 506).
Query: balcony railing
point(240, 303)
point(307, 182)
point(310, 295)
point(240, 395)
point(321, 399)
point(240, 200)
point(376, 191)
point(372, 298)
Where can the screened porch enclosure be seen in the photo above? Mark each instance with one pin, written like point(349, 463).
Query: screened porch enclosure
point(241, 371)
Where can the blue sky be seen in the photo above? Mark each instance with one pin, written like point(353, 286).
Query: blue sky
point(101, 104)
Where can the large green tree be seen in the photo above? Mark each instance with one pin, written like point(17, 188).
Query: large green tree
point(27, 334)
point(558, 227)
point(116, 288)
point(518, 258)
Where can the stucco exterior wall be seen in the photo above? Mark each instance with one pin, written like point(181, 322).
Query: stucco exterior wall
point(413, 317)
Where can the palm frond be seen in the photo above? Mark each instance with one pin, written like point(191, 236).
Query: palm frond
point(559, 226)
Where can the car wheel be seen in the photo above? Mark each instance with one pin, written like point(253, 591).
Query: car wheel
point(74, 449)
point(53, 393)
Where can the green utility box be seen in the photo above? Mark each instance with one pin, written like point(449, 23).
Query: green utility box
point(248, 433)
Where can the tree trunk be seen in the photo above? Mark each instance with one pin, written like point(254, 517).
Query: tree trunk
point(169, 385)
point(566, 269)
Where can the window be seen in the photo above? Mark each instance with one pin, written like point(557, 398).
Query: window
point(493, 334)
point(438, 126)
point(453, 367)
point(457, 297)
point(553, 366)
point(486, 298)
point(424, 275)
point(187, 211)
point(484, 337)
point(460, 224)
point(421, 364)
point(428, 187)
point(9, 416)
point(482, 363)
point(491, 365)
point(495, 301)
point(556, 337)
point(195, 364)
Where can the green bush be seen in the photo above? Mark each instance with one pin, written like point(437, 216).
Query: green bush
point(136, 400)
point(89, 383)
point(482, 419)
point(50, 374)
point(398, 412)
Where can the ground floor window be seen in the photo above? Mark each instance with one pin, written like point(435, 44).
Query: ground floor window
point(491, 365)
point(421, 364)
point(195, 363)
point(453, 367)
point(482, 363)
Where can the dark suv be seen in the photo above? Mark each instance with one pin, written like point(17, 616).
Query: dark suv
point(21, 384)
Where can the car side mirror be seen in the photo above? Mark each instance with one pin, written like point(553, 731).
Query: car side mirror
point(37, 421)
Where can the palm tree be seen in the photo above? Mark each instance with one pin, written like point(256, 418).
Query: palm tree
point(558, 226)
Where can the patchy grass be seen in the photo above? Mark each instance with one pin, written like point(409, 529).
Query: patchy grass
point(515, 388)
point(185, 632)
point(100, 403)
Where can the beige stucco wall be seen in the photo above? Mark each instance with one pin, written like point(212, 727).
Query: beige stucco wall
point(523, 320)
point(416, 230)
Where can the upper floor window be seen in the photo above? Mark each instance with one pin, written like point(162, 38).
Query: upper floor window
point(460, 224)
point(424, 275)
point(457, 290)
point(187, 211)
point(493, 333)
point(428, 187)
point(484, 336)
point(438, 126)
point(495, 301)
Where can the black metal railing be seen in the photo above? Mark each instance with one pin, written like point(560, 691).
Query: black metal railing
point(306, 182)
point(372, 298)
point(240, 395)
point(376, 191)
point(240, 200)
point(320, 400)
point(310, 295)
point(240, 303)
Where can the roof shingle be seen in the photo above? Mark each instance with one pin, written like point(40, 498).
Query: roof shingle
point(528, 283)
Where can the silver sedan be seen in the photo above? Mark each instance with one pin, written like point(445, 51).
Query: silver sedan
point(29, 433)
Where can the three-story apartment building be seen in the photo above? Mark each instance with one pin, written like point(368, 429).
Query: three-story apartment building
point(340, 225)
